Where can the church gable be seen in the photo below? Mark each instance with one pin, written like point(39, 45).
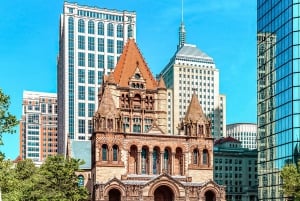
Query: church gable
point(130, 59)
point(137, 80)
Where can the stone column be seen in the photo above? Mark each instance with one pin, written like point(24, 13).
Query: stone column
point(139, 162)
point(161, 162)
point(150, 162)
point(173, 164)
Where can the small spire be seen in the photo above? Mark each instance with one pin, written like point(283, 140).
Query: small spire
point(181, 29)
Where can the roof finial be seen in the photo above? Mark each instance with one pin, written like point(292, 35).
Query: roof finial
point(181, 30)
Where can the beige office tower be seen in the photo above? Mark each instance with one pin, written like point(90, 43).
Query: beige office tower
point(192, 71)
point(91, 42)
point(38, 126)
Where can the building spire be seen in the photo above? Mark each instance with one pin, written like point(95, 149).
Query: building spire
point(181, 29)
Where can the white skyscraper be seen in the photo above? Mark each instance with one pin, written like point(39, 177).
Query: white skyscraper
point(246, 133)
point(192, 71)
point(91, 41)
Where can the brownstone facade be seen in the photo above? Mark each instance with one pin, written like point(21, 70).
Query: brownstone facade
point(133, 158)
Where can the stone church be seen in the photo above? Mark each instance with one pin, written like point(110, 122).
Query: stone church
point(133, 156)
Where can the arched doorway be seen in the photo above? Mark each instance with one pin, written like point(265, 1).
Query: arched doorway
point(114, 195)
point(163, 193)
point(210, 196)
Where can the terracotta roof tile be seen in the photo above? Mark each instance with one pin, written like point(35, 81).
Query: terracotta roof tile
point(131, 59)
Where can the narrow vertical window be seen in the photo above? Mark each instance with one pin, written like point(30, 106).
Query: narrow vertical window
point(110, 29)
point(119, 31)
point(81, 26)
point(144, 158)
point(91, 28)
point(80, 180)
point(115, 153)
point(195, 156)
point(100, 28)
point(166, 159)
point(205, 157)
point(104, 152)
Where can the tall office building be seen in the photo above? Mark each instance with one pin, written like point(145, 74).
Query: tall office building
point(192, 71)
point(246, 133)
point(278, 92)
point(91, 41)
point(38, 126)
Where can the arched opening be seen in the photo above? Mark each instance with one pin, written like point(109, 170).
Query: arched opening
point(136, 103)
point(178, 162)
point(114, 195)
point(80, 180)
point(167, 160)
point(156, 160)
point(196, 156)
point(115, 153)
point(210, 196)
point(104, 152)
point(133, 166)
point(145, 160)
point(163, 193)
point(205, 157)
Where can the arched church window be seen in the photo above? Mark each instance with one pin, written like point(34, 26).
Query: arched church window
point(80, 180)
point(155, 157)
point(104, 152)
point(205, 157)
point(166, 160)
point(195, 156)
point(144, 160)
point(110, 123)
point(115, 152)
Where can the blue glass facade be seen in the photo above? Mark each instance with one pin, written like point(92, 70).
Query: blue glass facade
point(278, 92)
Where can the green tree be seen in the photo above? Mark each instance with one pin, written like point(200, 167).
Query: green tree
point(8, 182)
point(17, 181)
point(57, 181)
point(291, 181)
point(7, 120)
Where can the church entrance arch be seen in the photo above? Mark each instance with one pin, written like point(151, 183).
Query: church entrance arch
point(163, 193)
point(210, 196)
point(114, 195)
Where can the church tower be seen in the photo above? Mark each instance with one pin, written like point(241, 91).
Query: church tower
point(133, 157)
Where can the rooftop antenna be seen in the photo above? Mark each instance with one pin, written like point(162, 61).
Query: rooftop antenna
point(181, 30)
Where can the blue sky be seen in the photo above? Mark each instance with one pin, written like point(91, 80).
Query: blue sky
point(224, 29)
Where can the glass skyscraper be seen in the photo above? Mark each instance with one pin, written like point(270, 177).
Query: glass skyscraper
point(278, 92)
point(91, 41)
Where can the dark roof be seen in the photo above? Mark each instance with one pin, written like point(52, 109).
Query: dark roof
point(226, 139)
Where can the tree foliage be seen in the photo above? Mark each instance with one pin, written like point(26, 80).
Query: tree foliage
point(7, 120)
point(55, 180)
point(291, 181)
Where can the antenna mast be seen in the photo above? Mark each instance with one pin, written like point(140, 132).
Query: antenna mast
point(181, 30)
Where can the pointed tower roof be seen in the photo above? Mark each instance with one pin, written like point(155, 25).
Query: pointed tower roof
point(131, 59)
point(194, 111)
point(161, 83)
point(107, 104)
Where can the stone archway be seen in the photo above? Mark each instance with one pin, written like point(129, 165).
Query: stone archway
point(163, 193)
point(210, 196)
point(114, 195)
